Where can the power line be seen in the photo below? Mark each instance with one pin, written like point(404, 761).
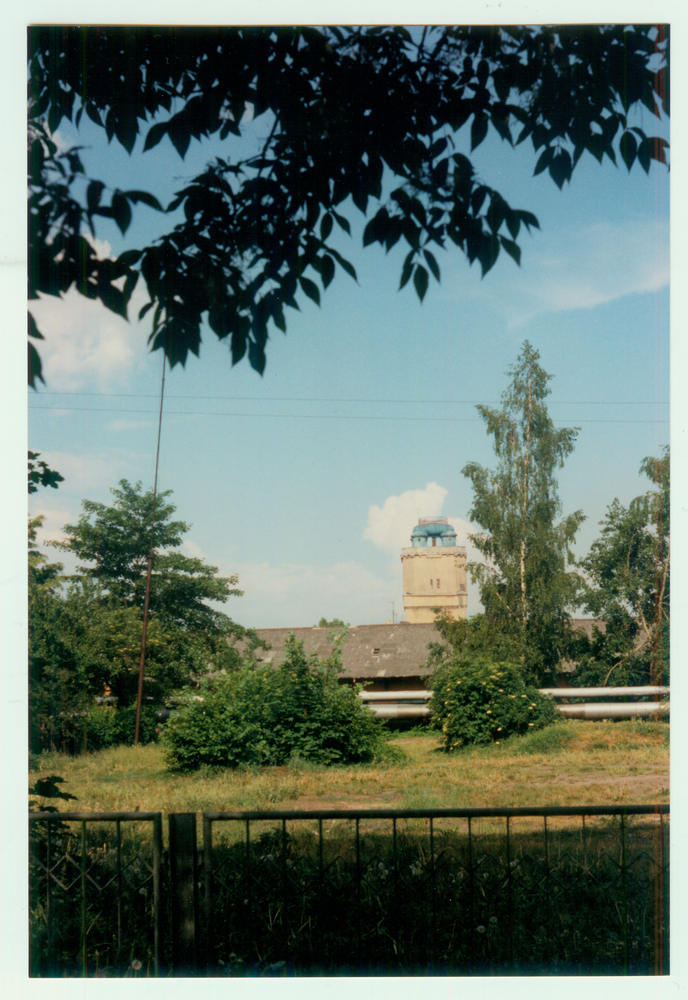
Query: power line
point(314, 416)
point(318, 399)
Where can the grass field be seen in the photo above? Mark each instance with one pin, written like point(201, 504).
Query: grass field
point(559, 898)
point(574, 763)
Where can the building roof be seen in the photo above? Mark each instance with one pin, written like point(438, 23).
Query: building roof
point(370, 651)
point(378, 651)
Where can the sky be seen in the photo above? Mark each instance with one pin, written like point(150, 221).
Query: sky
point(308, 481)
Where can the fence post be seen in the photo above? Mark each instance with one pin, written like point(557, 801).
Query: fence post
point(183, 879)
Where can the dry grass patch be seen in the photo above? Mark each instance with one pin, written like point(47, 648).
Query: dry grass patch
point(576, 763)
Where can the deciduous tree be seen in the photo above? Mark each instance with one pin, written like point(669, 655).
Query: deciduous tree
point(525, 587)
point(112, 544)
point(367, 117)
point(627, 585)
point(85, 629)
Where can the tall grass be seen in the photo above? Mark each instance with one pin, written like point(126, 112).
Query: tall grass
point(572, 763)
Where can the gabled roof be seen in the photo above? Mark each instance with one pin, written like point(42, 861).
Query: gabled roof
point(370, 651)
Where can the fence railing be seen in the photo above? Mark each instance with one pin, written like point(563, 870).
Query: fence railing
point(95, 894)
point(560, 890)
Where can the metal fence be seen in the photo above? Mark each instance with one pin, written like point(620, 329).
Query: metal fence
point(376, 892)
point(95, 892)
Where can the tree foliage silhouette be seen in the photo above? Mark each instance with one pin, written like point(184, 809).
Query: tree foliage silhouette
point(345, 114)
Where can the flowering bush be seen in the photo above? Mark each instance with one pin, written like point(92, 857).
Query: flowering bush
point(475, 700)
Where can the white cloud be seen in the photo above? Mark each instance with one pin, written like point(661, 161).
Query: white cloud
point(588, 267)
point(299, 595)
point(192, 550)
point(86, 344)
point(85, 476)
point(574, 268)
point(55, 519)
point(390, 526)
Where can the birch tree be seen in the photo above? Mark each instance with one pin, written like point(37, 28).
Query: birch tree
point(525, 587)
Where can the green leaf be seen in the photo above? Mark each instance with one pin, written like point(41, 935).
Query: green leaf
point(432, 264)
point(121, 211)
point(326, 225)
point(560, 168)
point(478, 130)
point(256, 356)
point(478, 198)
point(94, 114)
point(113, 298)
point(644, 154)
point(180, 134)
point(437, 147)
point(342, 222)
point(343, 262)
point(512, 248)
point(128, 258)
point(327, 270)
point(155, 134)
point(544, 160)
point(501, 126)
point(145, 198)
point(528, 219)
point(33, 329)
point(420, 280)
point(311, 289)
point(93, 195)
point(488, 251)
point(34, 365)
point(628, 147)
point(406, 270)
point(418, 209)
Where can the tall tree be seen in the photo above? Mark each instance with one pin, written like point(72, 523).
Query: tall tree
point(627, 584)
point(116, 541)
point(85, 629)
point(525, 587)
point(334, 112)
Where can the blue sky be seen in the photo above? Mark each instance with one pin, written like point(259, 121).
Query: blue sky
point(308, 481)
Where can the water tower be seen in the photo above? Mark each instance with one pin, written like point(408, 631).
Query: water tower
point(434, 571)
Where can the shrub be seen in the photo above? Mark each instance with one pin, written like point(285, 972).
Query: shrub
point(265, 715)
point(108, 726)
point(476, 701)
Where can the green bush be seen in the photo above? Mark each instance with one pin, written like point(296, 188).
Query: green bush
point(108, 726)
point(476, 701)
point(551, 740)
point(267, 715)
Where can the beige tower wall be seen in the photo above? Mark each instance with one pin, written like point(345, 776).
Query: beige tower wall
point(423, 567)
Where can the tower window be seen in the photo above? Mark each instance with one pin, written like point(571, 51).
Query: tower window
point(431, 583)
point(376, 651)
point(438, 584)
